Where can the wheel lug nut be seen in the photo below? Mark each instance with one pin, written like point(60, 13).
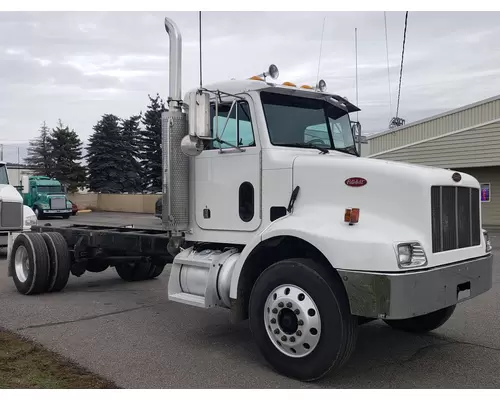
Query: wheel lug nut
point(297, 311)
point(292, 339)
point(289, 305)
point(275, 311)
point(276, 331)
point(280, 304)
point(300, 322)
point(298, 333)
point(283, 338)
point(273, 320)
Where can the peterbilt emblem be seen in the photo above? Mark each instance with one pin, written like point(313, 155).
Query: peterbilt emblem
point(456, 177)
point(356, 182)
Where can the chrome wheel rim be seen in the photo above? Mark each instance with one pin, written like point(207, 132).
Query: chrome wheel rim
point(292, 321)
point(22, 264)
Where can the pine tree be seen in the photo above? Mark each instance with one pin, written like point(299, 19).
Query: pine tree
point(39, 158)
point(131, 166)
point(106, 156)
point(67, 155)
point(150, 145)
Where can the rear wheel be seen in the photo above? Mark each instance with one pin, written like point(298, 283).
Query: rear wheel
point(156, 270)
point(66, 216)
point(133, 272)
point(422, 323)
point(29, 263)
point(300, 319)
point(60, 263)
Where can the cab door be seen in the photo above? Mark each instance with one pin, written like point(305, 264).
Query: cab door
point(227, 172)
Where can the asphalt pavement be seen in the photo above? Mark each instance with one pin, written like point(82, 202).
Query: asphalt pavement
point(130, 333)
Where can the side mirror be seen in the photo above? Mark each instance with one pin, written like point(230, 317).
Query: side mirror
point(199, 115)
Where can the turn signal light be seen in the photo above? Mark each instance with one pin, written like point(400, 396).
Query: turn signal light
point(351, 215)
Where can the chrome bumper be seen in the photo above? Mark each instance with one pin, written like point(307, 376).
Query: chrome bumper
point(409, 294)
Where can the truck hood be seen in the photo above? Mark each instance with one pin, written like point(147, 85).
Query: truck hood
point(10, 194)
point(394, 198)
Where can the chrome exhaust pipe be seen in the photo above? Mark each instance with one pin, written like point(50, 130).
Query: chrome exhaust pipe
point(175, 62)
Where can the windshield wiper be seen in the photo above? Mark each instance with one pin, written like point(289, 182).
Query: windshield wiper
point(306, 146)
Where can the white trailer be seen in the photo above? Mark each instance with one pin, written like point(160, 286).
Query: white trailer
point(269, 211)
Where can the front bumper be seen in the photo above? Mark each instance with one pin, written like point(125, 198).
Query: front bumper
point(409, 294)
point(62, 211)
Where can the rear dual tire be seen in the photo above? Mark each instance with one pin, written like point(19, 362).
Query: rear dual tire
point(39, 263)
point(307, 291)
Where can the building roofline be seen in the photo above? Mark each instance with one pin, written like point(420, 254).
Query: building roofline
point(453, 111)
point(405, 146)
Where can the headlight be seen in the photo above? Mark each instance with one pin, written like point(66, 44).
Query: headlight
point(411, 255)
point(30, 221)
point(487, 240)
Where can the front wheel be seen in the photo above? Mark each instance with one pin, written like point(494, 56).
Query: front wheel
point(300, 319)
point(39, 213)
point(422, 323)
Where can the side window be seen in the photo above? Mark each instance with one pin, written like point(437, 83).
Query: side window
point(238, 131)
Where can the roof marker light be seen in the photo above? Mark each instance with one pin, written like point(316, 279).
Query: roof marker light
point(306, 87)
point(289, 84)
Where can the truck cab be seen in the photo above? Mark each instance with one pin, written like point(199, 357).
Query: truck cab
point(46, 197)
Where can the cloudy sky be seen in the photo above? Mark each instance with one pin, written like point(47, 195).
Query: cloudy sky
point(78, 66)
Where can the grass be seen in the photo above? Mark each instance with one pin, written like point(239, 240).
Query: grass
point(24, 364)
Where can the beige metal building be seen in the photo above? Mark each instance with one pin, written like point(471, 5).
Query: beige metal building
point(465, 139)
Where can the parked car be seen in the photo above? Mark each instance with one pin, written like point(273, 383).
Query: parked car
point(74, 208)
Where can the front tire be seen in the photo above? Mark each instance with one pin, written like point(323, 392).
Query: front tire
point(423, 323)
point(300, 319)
point(39, 213)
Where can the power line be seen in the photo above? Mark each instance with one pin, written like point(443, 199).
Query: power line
point(402, 61)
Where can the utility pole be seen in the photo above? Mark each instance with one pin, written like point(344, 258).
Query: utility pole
point(1, 152)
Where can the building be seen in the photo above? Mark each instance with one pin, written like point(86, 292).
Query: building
point(16, 172)
point(465, 139)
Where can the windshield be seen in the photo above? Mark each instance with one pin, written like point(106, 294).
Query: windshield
point(303, 122)
point(50, 189)
point(4, 178)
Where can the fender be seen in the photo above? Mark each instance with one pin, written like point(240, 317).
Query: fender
point(368, 245)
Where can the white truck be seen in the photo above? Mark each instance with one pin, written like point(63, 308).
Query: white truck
point(14, 217)
point(269, 211)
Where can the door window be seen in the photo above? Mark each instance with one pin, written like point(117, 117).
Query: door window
point(238, 129)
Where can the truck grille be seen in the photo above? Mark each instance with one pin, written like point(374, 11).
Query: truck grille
point(58, 203)
point(11, 215)
point(455, 218)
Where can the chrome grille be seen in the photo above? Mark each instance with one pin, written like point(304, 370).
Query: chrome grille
point(58, 203)
point(455, 218)
point(11, 215)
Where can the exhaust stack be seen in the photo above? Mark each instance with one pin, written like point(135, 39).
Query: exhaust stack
point(175, 165)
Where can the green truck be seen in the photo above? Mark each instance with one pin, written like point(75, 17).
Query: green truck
point(46, 196)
